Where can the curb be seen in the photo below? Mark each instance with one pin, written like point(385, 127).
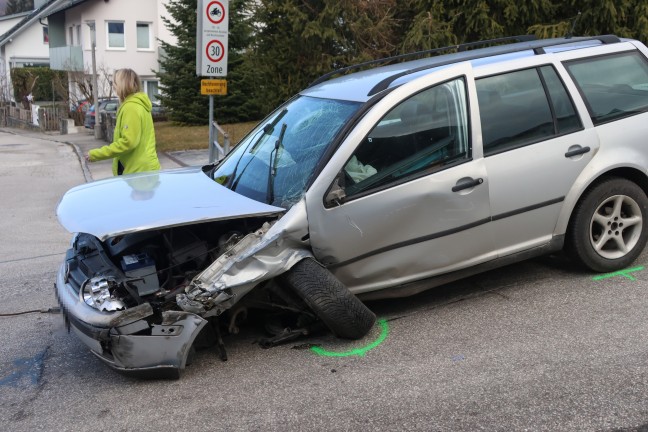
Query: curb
point(175, 159)
point(87, 175)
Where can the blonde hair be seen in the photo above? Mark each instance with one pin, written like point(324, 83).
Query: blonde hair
point(126, 83)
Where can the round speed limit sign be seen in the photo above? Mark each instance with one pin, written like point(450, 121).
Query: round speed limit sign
point(215, 50)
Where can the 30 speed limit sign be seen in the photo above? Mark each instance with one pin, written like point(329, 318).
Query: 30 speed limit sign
point(211, 40)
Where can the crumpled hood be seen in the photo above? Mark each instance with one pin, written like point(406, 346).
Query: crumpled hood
point(143, 201)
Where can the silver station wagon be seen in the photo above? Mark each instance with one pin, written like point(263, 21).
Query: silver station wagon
point(378, 180)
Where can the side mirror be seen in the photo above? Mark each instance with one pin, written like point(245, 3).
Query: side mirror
point(336, 193)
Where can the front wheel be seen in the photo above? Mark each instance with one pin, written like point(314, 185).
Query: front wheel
point(341, 311)
point(607, 231)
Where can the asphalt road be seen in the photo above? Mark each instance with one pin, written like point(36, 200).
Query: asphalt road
point(538, 346)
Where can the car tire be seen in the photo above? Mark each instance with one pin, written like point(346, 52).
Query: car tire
point(608, 229)
point(341, 311)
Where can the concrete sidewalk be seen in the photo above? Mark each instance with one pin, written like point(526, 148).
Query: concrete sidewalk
point(84, 140)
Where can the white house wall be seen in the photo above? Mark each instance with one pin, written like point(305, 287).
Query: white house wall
point(128, 11)
point(163, 32)
point(7, 23)
point(25, 49)
point(28, 47)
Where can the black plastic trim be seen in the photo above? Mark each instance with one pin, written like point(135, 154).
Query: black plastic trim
point(459, 48)
point(535, 46)
point(527, 209)
point(448, 232)
point(577, 152)
point(412, 288)
point(414, 241)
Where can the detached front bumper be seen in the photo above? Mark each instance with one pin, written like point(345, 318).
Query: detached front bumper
point(131, 341)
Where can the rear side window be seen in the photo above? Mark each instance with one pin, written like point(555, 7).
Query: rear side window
point(523, 107)
point(566, 119)
point(613, 86)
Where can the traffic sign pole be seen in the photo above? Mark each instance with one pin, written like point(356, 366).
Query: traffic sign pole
point(211, 54)
point(211, 129)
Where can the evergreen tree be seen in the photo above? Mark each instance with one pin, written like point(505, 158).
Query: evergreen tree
point(241, 102)
point(277, 47)
point(300, 40)
point(625, 18)
point(293, 45)
point(17, 6)
point(180, 85)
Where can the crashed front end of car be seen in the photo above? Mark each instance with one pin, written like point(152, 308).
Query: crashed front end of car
point(161, 258)
point(138, 295)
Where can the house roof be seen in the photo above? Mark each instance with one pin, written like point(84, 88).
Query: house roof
point(47, 9)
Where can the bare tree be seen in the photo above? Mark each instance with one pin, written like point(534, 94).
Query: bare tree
point(80, 94)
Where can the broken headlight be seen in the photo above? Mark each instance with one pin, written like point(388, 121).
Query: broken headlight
point(98, 293)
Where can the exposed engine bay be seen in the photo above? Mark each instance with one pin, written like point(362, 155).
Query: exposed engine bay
point(161, 277)
point(151, 266)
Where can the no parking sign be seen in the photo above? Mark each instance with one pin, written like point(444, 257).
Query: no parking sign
point(211, 40)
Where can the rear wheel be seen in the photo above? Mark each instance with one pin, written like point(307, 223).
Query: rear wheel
point(341, 311)
point(607, 231)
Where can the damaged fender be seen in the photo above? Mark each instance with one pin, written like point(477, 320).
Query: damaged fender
point(259, 256)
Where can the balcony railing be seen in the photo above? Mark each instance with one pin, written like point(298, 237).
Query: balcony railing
point(67, 58)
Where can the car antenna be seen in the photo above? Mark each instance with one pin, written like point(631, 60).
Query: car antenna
point(570, 33)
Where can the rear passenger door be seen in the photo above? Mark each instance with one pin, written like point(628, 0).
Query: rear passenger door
point(535, 146)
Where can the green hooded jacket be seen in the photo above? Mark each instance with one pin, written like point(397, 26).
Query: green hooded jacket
point(134, 139)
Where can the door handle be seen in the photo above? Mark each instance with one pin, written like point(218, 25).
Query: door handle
point(467, 183)
point(577, 151)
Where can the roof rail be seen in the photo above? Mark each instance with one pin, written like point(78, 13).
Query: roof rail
point(538, 47)
point(459, 48)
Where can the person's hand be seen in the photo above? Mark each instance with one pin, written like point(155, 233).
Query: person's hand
point(87, 157)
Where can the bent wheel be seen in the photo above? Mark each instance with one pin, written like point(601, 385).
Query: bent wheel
point(341, 311)
point(607, 231)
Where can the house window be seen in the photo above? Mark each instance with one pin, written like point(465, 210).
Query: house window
point(116, 34)
point(46, 35)
point(78, 35)
point(143, 36)
point(152, 90)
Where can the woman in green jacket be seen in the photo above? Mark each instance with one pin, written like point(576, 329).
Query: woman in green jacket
point(133, 147)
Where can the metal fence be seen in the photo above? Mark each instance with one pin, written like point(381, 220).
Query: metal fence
point(108, 120)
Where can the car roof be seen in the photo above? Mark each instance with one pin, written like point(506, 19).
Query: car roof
point(361, 86)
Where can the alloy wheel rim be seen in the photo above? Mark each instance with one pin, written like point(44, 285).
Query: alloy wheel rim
point(616, 226)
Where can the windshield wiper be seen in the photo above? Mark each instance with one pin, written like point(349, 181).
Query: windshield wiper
point(274, 159)
point(267, 130)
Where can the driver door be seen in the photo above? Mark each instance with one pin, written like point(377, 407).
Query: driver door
point(413, 193)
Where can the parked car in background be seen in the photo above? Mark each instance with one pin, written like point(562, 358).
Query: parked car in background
point(82, 106)
point(157, 108)
point(369, 185)
point(106, 105)
point(158, 112)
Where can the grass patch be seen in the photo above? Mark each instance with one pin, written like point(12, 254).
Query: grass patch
point(170, 136)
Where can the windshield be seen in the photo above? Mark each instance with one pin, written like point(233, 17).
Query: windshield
point(274, 163)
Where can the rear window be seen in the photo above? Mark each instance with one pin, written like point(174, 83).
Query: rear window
point(613, 86)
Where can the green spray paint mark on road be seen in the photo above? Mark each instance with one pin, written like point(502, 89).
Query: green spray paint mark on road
point(357, 351)
point(624, 273)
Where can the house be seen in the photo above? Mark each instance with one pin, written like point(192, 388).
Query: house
point(24, 41)
point(85, 38)
point(125, 33)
